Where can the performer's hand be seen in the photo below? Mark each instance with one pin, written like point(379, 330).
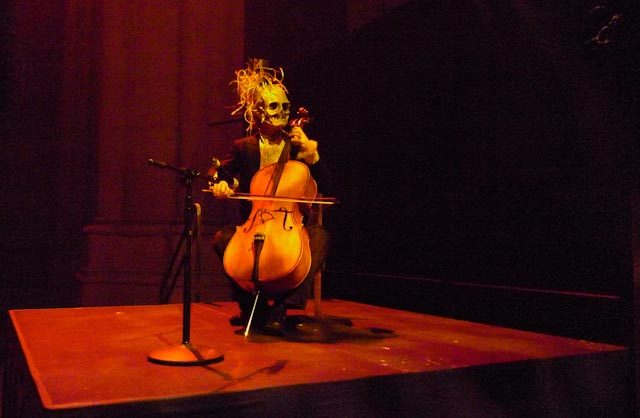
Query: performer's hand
point(221, 189)
point(308, 147)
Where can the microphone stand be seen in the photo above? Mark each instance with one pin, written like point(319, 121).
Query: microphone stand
point(185, 354)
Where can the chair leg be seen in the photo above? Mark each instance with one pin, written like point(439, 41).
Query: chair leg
point(317, 294)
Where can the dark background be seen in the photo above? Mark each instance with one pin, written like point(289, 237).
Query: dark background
point(484, 156)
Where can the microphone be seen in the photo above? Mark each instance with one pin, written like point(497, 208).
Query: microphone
point(160, 164)
point(219, 173)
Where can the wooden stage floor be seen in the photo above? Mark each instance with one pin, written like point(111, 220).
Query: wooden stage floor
point(362, 361)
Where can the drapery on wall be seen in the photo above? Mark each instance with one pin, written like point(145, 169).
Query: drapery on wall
point(489, 144)
point(489, 164)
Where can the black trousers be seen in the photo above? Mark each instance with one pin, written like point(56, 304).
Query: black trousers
point(296, 298)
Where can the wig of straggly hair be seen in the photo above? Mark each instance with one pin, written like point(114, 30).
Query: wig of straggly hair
point(250, 82)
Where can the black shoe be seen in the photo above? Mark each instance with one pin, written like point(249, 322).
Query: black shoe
point(273, 328)
point(274, 324)
point(277, 313)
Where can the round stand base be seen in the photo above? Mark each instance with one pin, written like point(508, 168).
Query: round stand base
point(185, 355)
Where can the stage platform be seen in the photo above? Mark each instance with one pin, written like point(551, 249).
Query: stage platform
point(362, 361)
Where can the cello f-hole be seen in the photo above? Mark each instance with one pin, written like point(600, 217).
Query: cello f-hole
point(284, 219)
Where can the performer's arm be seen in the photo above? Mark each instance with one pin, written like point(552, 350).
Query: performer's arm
point(308, 152)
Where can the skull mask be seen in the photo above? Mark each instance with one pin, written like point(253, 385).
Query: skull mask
point(274, 107)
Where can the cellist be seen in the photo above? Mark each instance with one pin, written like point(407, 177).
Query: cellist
point(263, 101)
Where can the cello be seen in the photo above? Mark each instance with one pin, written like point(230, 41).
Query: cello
point(270, 252)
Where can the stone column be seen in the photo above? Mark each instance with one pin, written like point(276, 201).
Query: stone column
point(163, 70)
